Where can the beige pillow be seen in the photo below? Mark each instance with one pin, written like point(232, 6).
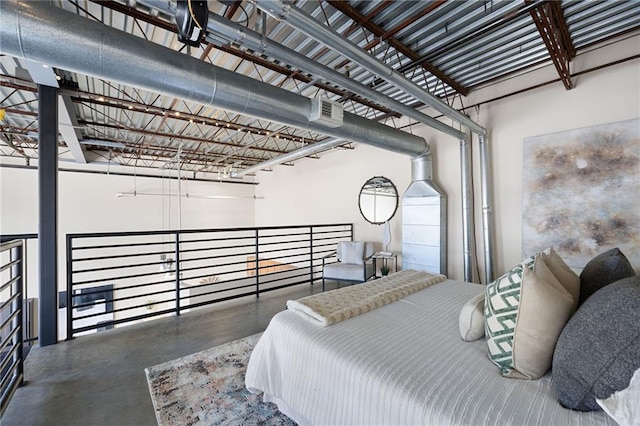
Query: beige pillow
point(564, 274)
point(545, 307)
point(525, 311)
point(471, 319)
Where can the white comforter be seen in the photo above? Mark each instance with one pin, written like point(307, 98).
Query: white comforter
point(403, 363)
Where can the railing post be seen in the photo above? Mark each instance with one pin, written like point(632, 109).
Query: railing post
point(257, 265)
point(16, 255)
point(177, 273)
point(69, 287)
point(311, 253)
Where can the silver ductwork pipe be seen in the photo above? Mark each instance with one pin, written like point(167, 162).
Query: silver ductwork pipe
point(468, 236)
point(295, 17)
point(424, 220)
point(487, 213)
point(291, 156)
point(220, 27)
point(34, 30)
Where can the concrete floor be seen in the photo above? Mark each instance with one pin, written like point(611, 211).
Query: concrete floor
point(99, 379)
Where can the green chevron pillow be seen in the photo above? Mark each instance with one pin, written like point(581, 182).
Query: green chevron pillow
point(525, 311)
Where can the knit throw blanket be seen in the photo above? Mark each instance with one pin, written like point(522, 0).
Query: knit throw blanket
point(337, 305)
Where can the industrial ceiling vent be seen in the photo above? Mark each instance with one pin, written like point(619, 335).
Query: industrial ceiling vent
point(326, 112)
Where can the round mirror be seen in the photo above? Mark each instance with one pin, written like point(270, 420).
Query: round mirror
point(378, 200)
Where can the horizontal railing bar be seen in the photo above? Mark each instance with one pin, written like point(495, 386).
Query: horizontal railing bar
point(206, 240)
point(11, 390)
point(193, 231)
point(7, 303)
point(122, 320)
point(120, 245)
point(7, 237)
point(149, 284)
point(283, 286)
point(222, 299)
point(215, 248)
point(8, 245)
point(10, 282)
point(120, 299)
point(246, 253)
point(13, 367)
point(222, 290)
point(9, 338)
point(123, 256)
point(9, 265)
point(128, 265)
point(122, 277)
point(8, 356)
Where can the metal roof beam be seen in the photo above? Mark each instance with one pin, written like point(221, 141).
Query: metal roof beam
point(553, 30)
point(387, 35)
point(247, 56)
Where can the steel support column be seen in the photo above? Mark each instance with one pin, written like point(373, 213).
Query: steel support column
point(468, 234)
point(487, 211)
point(48, 214)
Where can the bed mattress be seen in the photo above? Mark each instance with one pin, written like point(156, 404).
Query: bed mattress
point(403, 363)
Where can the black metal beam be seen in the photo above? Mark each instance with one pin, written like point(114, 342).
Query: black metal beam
point(48, 214)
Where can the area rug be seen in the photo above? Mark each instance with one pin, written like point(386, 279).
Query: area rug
point(207, 388)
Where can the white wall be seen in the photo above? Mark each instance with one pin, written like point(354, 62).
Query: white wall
point(88, 203)
point(327, 190)
point(600, 97)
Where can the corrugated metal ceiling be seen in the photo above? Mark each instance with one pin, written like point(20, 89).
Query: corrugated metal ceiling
point(449, 48)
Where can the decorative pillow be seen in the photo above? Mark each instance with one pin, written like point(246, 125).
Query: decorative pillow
point(599, 348)
point(604, 269)
point(471, 320)
point(624, 406)
point(352, 252)
point(564, 274)
point(525, 311)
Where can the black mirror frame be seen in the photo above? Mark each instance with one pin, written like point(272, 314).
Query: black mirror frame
point(360, 204)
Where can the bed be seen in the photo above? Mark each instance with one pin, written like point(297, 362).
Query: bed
point(403, 363)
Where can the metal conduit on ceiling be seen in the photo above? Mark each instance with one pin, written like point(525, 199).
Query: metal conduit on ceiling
point(32, 31)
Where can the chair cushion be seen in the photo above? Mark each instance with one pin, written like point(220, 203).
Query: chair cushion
point(351, 252)
point(604, 269)
point(525, 311)
point(344, 271)
point(599, 348)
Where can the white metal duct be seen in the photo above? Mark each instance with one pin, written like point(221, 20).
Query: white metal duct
point(424, 221)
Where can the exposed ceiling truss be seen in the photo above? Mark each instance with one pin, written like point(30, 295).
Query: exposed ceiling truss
point(447, 48)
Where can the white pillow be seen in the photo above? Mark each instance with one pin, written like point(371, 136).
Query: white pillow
point(624, 406)
point(471, 320)
point(352, 252)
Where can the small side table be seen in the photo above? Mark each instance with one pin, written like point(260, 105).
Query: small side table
point(385, 256)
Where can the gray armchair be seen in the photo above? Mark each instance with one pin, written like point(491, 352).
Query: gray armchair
point(355, 263)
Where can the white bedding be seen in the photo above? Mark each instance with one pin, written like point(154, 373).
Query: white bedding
point(403, 363)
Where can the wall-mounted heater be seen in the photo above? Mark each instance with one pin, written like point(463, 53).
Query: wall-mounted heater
point(326, 111)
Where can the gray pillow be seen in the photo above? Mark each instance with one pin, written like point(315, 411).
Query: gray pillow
point(604, 269)
point(599, 349)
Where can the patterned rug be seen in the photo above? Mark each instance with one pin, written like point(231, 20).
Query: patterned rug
point(207, 388)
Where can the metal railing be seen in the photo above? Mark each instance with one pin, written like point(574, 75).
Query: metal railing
point(124, 277)
point(11, 296)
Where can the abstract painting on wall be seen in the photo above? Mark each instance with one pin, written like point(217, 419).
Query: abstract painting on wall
point(581, 192)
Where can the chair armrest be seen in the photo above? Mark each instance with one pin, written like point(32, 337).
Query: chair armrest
point(333, 253)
